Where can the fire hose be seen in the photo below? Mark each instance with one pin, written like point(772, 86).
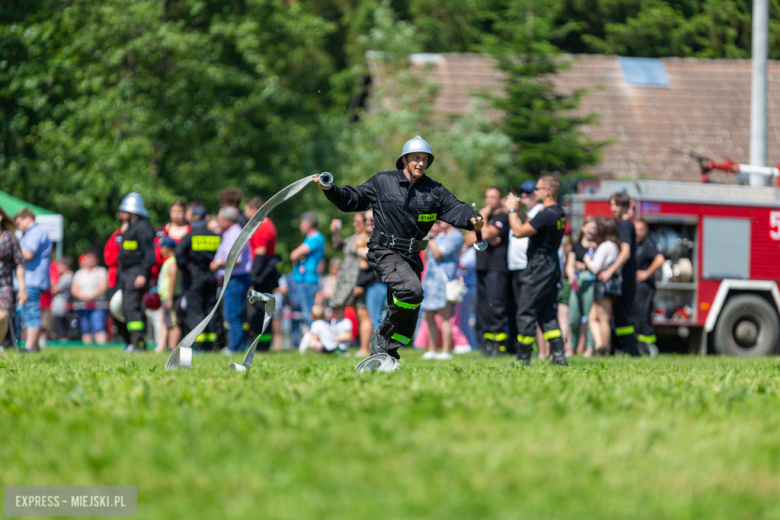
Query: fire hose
point(182, 355)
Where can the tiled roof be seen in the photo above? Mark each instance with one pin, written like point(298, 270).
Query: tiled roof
point(705, 109)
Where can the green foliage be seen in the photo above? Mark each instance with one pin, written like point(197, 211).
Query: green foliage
point(181, 98)
point(306, 437)
point(471, 153)
point(167, 99)
point(540, 120)
point(658, 28)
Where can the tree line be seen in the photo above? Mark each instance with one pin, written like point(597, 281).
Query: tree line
point(181, 98)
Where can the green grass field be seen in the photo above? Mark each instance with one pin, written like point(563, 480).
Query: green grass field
point(305, 437)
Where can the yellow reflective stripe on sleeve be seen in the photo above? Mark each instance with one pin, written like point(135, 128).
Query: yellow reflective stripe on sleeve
point(130, 245)
point(646, 339)
point(624, 331)
point(404, 305)
point(551, 334)
point(136, 325)
point(205, 243)
point(430, 217)
point(525, 340)
point(402, 339)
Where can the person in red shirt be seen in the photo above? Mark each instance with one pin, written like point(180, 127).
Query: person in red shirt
point(264, 275)
point(263, 242)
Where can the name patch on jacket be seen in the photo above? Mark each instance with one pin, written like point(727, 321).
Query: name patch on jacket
point(130, 245)
point(205, 243)
point(430, 217)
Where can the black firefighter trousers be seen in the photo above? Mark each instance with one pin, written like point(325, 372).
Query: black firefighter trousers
point(199, 299)
point(131, 305)
point(623, 315)
point(493, 305)
point(538, 301)
point(643, 313)
point(404, 295)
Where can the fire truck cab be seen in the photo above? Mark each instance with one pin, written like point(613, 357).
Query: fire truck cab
point(718, 288)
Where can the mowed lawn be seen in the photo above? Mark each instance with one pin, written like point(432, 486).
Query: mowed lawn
point(305, 437)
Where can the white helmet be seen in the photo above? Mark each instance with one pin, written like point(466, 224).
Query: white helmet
point(115, 306)
point(418, 144)
point(134, 203)
point(378, 363)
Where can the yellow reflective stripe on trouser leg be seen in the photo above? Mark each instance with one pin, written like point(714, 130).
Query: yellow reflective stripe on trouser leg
point(552, 334)
point(136, 325)
point(646, 339)
point(404, 305)
point(525, 340)
point(624, 331)
point(206, 336)
point(402, 339)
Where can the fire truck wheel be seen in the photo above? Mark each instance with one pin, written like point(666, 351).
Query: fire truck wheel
point(747, 326)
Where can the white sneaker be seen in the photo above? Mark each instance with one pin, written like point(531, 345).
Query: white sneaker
point(444, 356)
point(430, 355)
point(462, 349)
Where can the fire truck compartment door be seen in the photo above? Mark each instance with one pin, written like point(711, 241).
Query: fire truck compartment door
point(726, 248)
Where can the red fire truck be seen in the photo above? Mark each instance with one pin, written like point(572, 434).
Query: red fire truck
point(718, 289)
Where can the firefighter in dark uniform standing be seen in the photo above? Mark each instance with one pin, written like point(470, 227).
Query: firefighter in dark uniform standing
point(194, 253)
point(493, 282)
point(136, 259)
point(648, 261)
point(539, 291)
point(406, 203)
point(623, 308)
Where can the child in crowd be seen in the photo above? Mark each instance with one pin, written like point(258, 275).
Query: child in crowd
point(321, 338)
point(168, 288)
point(60, 297)
point(341, 327)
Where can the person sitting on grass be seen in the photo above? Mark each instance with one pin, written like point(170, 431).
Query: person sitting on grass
point(320, 337)
point(341, 327)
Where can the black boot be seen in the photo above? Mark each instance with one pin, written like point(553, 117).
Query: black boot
point(524, 353)
point(380, 340)
point(137, 342)
point(558, 353)
point(490, 348)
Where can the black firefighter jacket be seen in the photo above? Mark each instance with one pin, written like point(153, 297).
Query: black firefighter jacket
point(137, 249)
point(401, 208)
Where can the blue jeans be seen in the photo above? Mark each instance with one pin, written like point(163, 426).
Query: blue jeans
point(92, 321)
point(467, 313)
point(376, 295)
point(31, 311)
point(235, 293)
point(306, 294)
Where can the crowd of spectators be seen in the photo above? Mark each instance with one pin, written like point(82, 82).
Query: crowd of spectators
point(319, 310)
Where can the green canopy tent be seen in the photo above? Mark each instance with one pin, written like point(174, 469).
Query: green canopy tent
point(50, 221)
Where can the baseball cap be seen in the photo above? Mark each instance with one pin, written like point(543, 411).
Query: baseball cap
point(528, 187)
point(168, 242)
point(198, 213)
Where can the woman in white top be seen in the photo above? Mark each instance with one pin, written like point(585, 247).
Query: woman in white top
point(89, 285)
point(605, 255)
